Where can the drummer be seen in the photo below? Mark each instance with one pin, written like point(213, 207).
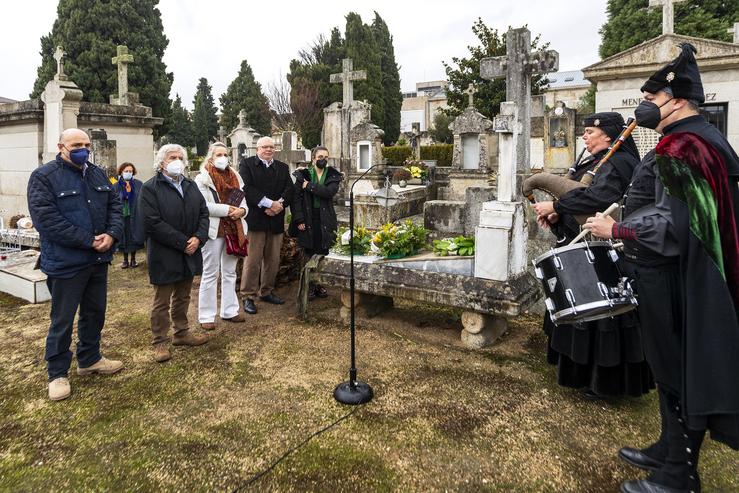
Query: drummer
point(681, 244)
point(603, 357)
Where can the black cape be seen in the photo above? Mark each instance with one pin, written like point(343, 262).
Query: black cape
point(710, 331)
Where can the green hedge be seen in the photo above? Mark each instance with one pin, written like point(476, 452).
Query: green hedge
point(441, 152)
point(396, 155)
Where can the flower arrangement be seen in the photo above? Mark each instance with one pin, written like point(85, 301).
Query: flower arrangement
point(398, 241)
point(402, 174)
point(361, 244)
point(461, 245)
point(417, 169)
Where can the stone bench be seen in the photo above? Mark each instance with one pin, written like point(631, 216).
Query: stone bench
point(486, 304)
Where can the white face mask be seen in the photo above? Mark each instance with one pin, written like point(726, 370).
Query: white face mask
point(221, 162)
point(175, 168)
point(127, 175)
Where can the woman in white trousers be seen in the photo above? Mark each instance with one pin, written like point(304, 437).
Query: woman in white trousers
point(222, 188)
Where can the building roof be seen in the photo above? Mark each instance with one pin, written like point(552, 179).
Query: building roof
point(645, 58)
point(566, 80)
point(7, 100)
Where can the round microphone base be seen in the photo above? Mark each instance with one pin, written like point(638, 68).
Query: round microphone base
point(353, 393)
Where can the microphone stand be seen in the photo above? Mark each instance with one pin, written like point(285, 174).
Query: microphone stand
point(353, 391)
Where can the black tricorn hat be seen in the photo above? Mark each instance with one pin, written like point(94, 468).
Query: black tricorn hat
point(681, 75)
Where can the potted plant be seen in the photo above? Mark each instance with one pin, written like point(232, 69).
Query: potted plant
point(402, 175)
point(418, 170)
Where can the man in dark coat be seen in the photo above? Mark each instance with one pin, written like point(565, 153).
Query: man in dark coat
point(176, 223)
point(680, 237)
point(313, 211)
point(603, 357)
point(78, 218)
point(268, 190)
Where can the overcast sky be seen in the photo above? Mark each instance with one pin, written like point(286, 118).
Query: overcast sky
point(210, 38)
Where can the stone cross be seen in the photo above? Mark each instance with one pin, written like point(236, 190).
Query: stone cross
point(242, 118)
point(668, 14)
point(346, 77)
point(517, 67)
point(735, 31)
point(122, 60)
point(222, 134)
point(59, 55)
point(470, 92)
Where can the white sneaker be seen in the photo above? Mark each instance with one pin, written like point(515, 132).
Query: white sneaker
point(59, 389)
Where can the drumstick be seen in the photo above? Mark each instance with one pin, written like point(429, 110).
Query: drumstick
point(582, 234)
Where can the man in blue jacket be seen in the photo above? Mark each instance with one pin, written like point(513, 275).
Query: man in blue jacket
point(78, 218)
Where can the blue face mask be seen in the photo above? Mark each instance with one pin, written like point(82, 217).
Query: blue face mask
point(79, 156)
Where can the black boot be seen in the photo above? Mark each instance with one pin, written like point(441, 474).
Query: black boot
point(652, 457)
point(683, 450)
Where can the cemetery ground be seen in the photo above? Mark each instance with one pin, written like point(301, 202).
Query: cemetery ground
point(444, 418)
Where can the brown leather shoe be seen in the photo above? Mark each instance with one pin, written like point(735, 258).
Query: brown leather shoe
point(189, 339)
point(161, 352)
point(237, 319)
point(208, 326)
point(104, 366)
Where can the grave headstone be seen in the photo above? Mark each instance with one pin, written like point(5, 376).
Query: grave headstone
point(121, 60)
point(104, 151)
point(668, 13)
point(559, 138)
point(502, 222)
point(735, 31)
point(340, 118)
point(243, 140)
point(61, 99)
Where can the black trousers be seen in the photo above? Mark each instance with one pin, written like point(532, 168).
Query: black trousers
point(317, 236)
point(660, 316)
point(86, 290)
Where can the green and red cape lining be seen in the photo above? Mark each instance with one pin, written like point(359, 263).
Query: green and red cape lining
point(695, 173)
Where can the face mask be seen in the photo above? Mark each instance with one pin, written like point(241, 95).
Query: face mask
point(647, 114)
point(127, 175)
point(79, 156)
point(221, 162)
point(321, 163)
point(175, 168)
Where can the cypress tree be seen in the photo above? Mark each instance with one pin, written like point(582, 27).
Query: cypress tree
point(204, 118)
point(393, 98)
point(244, 92)
point(180, 128)
point(364, 52)
point(89, 31)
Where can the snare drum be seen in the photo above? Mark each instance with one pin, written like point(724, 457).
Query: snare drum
point(583, 282)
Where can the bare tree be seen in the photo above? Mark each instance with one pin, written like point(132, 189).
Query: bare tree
point(278, 93)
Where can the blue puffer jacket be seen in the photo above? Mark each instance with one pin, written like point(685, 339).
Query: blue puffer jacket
point(69, 209)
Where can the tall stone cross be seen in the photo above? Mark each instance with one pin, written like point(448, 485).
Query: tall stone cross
point(347, 77)
point(470, 92)
point(222, 134)
point(59, 55)
point(668, 13)
point(122, 60)
point(735, 31)
point(519, 64)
